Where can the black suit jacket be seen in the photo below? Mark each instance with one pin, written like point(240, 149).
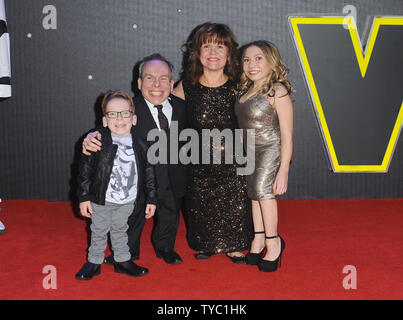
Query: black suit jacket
point(145, 122)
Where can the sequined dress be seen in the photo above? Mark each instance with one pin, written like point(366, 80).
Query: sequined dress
point(257, 113)
point(218, 208)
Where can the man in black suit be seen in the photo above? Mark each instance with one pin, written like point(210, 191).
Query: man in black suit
point(156, 108)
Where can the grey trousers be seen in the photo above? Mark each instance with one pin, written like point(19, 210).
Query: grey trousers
point(109, 218)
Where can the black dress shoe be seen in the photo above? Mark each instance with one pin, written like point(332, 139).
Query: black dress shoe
point(88, 271)
point(203, 255)
point(110, 261)
point(130, 268)
point(170, 257)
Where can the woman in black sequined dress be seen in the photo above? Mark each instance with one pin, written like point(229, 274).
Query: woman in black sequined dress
point(218, 208)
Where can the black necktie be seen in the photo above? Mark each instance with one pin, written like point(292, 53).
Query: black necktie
point(164, 124)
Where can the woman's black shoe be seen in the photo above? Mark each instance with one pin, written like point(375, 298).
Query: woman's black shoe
point(253, 258)
point(236, 259)
point(88, 271)
point(203, 255)
point(271, 266)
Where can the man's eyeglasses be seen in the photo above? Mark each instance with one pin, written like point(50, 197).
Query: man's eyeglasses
point(115, 114)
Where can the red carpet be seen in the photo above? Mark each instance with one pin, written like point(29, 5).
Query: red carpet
point(322, 237)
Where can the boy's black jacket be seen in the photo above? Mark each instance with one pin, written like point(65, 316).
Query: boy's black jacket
point(95, 171)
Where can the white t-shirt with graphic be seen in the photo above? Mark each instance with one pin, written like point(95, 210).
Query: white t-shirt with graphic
point(122, 186)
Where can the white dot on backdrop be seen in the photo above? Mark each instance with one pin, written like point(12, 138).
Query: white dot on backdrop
point(29, 35)
point(135, 26)
point(179, 10)
point(90, 77)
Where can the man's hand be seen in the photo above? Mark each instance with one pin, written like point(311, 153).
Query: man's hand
point(92, 143)
point(150, 210)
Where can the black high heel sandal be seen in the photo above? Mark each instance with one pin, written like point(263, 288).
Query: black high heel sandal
point(271, 266)
point(253, 258)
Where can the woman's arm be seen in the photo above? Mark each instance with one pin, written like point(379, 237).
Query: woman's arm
point(284, 108)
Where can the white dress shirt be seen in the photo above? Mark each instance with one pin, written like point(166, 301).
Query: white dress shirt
point(166, 109)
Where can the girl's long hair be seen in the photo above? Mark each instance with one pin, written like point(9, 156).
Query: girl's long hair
point(279, 70)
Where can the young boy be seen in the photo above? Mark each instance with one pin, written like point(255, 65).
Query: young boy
point(111, 183)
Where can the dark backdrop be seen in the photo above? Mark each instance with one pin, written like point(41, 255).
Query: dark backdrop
point(58, 75)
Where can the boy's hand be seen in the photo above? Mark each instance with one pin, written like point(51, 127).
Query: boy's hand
point(86, 209)
point(150, 210)
point(92, 143)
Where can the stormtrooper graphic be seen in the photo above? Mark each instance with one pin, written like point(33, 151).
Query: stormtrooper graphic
point(123, 181)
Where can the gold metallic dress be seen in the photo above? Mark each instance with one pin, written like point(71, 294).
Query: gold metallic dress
point(218, 209)
point(257, 113)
